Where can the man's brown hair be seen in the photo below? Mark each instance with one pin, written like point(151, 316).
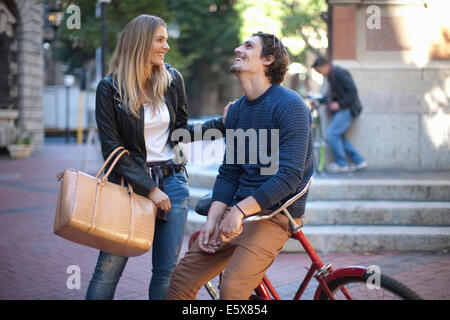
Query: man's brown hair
point(271, 45)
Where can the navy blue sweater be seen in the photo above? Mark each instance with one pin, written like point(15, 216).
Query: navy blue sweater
point(287, 170)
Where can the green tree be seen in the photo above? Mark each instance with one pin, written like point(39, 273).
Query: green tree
point(209, 31)
point(297, 22)
point(77, 46)
point(302, 18)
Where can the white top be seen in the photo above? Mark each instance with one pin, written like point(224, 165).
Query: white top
point(156, 133)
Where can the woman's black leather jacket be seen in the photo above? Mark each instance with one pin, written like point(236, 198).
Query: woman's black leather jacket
point(117, 128)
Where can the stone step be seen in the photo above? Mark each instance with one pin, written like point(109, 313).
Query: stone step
point(195, 194)
point(381, 212)
point(346, 187)
point(379, 189)
point(201, 177)
point(363, 211)
point(341, 238)
point(194, 222)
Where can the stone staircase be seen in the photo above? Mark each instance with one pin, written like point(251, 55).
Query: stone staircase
point(362, 211)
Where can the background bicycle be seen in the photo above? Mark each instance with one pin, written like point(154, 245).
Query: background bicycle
point(317, 125)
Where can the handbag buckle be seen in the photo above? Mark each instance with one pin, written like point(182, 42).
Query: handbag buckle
point(101, 182)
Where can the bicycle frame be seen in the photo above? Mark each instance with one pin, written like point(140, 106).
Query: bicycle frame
point(325, 274)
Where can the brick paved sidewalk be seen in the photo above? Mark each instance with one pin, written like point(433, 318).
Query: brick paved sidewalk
point(33, 261)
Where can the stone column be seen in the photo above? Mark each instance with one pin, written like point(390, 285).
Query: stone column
point(30, 65)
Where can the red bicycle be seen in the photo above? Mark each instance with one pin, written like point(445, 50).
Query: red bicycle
point(351, 283)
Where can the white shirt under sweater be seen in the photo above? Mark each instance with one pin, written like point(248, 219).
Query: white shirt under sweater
point(156, 133)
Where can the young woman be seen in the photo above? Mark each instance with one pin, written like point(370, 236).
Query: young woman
point(138, 106)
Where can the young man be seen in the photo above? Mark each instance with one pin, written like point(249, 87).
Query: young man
point(241, 190)
point(342, 100)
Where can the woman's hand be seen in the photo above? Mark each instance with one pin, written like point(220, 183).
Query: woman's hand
point(225, 111)
point(161, 199)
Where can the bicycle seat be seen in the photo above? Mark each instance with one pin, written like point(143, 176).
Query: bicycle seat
point(203, 205)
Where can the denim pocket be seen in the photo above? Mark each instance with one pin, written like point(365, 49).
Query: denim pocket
point(182, 177)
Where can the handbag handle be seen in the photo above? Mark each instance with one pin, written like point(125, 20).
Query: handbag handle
point(108, 160)
point(60, 175)
point(103, 180)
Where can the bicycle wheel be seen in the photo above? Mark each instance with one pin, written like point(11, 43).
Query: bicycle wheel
point(318, 144)
point(388, 289)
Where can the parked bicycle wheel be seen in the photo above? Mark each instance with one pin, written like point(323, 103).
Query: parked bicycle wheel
point(318, 144)
point(357, 287)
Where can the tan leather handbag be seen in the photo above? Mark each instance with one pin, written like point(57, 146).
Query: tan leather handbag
point(103, 215)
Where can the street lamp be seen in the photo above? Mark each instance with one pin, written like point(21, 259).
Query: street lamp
point(69, 80)
point(52, 21)
point(54, 17)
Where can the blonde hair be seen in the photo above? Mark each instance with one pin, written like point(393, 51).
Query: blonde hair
point(137, 81)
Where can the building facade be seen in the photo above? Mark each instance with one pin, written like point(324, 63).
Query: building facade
point(21, 69)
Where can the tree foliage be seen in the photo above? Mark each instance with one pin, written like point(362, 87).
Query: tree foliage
point(208, 32)
point(77, 46)
point(302, 18)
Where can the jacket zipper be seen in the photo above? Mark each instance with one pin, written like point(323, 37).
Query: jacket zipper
point(140, 124)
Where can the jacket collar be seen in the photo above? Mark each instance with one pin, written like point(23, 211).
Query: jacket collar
point(168, 94)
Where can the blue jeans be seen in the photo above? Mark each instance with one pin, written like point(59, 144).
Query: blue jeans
point(167, 243)
point(342, 120)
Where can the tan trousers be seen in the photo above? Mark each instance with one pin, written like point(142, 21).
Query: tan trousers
point(244, 260)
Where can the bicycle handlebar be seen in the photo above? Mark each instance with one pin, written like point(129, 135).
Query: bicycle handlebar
point(314, 96)
point(313, 100)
